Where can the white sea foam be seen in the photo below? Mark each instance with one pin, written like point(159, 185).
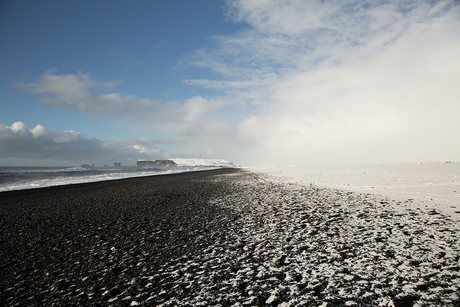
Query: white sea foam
point(30, 183)
point(20, 178)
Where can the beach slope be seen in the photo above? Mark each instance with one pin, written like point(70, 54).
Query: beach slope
point(91, 243)
point(223, 238)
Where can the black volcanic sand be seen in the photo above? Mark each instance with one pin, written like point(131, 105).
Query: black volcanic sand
point(223, 238)
point(85, 244)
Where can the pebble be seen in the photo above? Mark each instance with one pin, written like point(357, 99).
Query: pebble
point(287, 245)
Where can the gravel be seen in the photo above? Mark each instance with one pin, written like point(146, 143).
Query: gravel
point(223, 238)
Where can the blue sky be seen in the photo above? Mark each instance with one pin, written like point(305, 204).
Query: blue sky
point(255, 82)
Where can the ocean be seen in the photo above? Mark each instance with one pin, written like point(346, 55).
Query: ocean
point(19, 178)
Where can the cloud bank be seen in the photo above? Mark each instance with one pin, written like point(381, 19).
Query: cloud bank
point(188, 129)
point(343, 82)
point(19, 144)
point(308, 82)
point(81, 92)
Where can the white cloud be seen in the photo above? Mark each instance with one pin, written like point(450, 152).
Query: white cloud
point(79, 92)
point(309, 82)
point(38, 131)
point(19, 128)
point(304, 34)
point(172, 122)
point(355, 82)
point(19, 144)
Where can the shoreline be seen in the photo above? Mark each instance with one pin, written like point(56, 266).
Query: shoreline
point(220, 238)
point(84, 236)
point(57, 181)
point(82, 184)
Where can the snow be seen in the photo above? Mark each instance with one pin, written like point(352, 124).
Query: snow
point(434, 185)
point(203, 162)
point(320, 236)
point(303, 245)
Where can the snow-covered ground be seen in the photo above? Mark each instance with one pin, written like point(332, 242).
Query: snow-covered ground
point(281, 241)
point(302, 245)
point(434, 185)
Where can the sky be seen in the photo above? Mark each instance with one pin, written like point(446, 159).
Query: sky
point(255, 82)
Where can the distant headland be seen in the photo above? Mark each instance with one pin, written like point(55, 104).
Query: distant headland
point(139, 164)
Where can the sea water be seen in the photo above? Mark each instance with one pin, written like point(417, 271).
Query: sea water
point(19, 178)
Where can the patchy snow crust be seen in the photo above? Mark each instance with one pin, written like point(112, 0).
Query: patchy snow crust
point(434, 185)
point(298, 245)
point(286, 243)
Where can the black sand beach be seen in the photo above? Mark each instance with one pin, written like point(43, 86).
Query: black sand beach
point(73, 244)
point(222, 238)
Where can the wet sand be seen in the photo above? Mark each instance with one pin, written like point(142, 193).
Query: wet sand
point(222, 238)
